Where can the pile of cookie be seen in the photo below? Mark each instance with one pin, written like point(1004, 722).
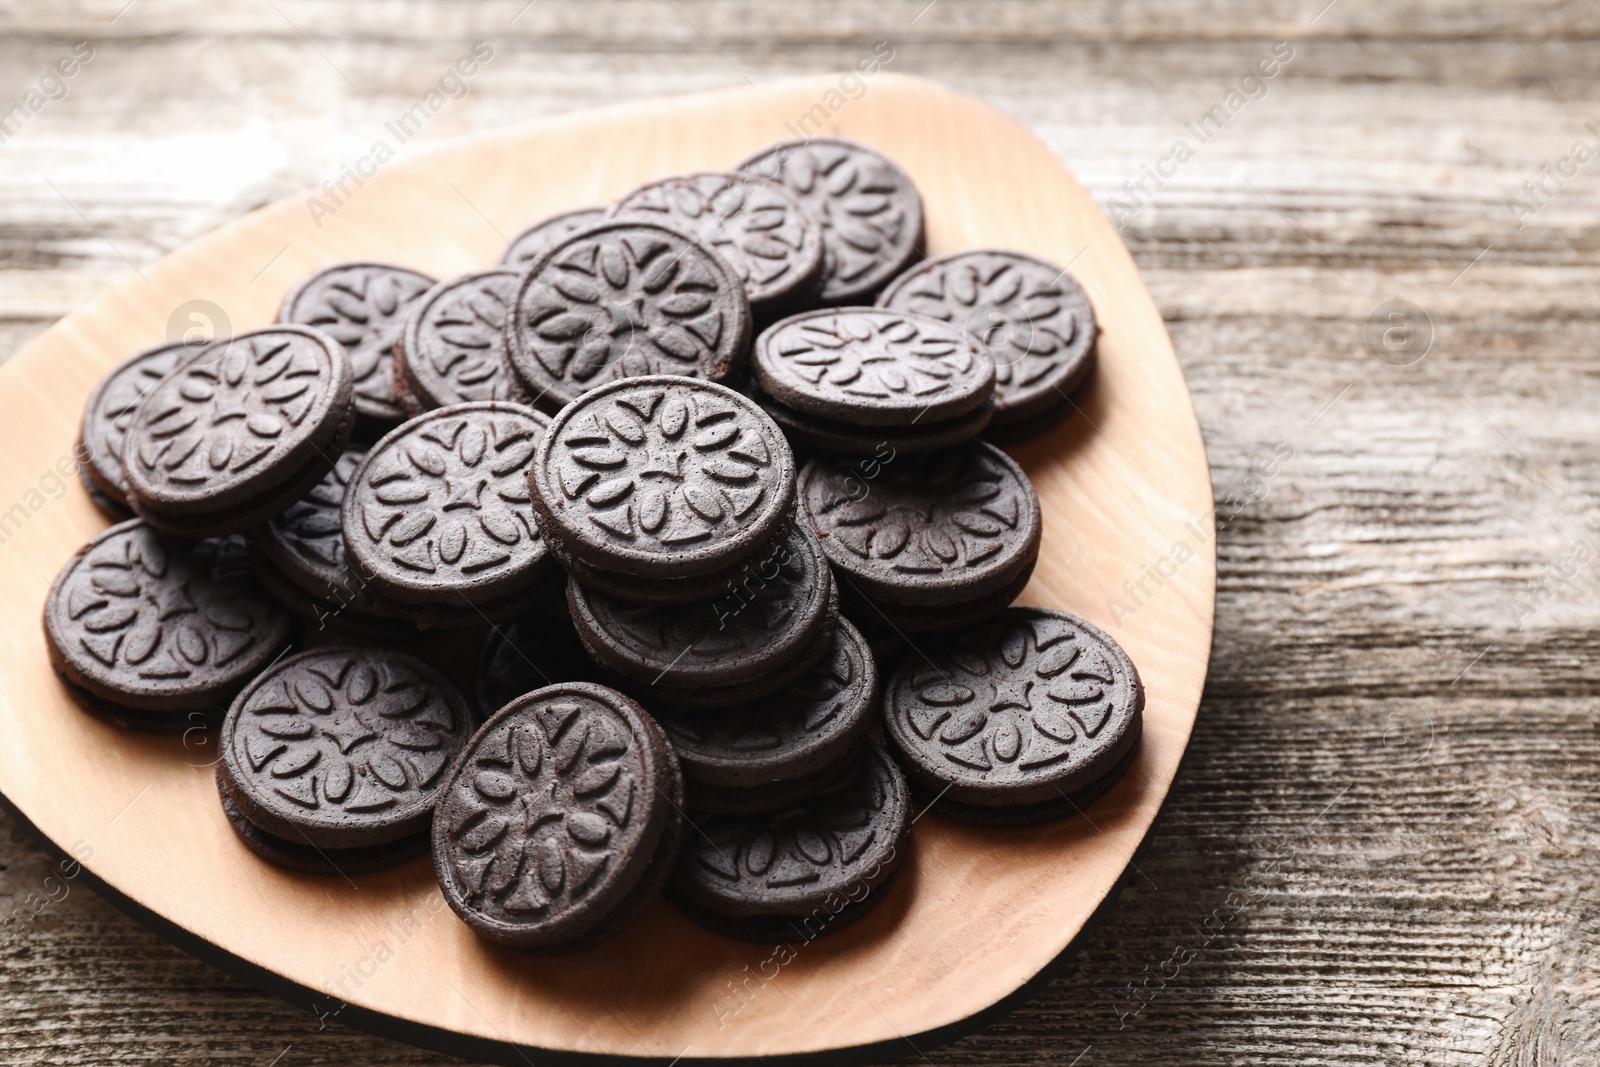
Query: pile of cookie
point(702, 472)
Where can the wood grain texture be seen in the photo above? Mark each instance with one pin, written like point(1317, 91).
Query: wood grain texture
point(1394, 766)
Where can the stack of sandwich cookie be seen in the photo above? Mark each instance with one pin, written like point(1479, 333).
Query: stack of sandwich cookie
point(1033, 317)
point(765, 755)
point(862, 380)
point(333, 759)
point(957, 531)
point(662, 482)
point(740, 647)
point(622, 299)
point(437, 519)
point(300, 559)
point(106, 415)
point(364, 307)
point(801, 871)
point(452, 349)
point(226, 442)
point(1026, 718)
point(149, 631)
point(560, 821)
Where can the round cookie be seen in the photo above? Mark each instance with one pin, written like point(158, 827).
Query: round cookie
point(739, 637)
point(559, 821)
point(452, 350)
point(341, 748)
point(309, 859)
point(928, 530)
point(1033, 317)
point(438, 513)
point(879, 617)
point(799, 872)
point(539, 238)
point(870, 212)
point(712, 697)
point(324, 615)
point(528, 654)
point(1014, 716)
point(218, 443)
point(623, 299)
point(145, 621)
point(305, 543)
point(756, 757)
point(850, 439)
point(872, 367)
point(636, 590)
point(364, 307)
point(758, 226)
point(109, 410)
point(662, 477)
point(111, 509)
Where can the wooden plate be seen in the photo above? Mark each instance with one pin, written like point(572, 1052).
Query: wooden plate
point(976, 915)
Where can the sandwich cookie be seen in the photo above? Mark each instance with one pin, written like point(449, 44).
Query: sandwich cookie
point(1025, 718)
point(560, 821)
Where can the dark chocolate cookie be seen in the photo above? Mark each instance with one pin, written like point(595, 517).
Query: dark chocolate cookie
point(1033, 317)
point(110, 409)
point(777, 678)
point(531, 653)
point(757, 225)
point(342, 748)
point(882, 618)
point(1018, 714)
point(559, 821)
point(113, 510)
point(662, 477)
point(870, 212)
point(364, 307)
point(438, 512)
point(320, 615)
point(873, 367)
point(309, 859)
point(853, 439)
point(756, 757)
point(809, 869)
point(619, 300)
point(306, 545)
point(736, 638)
point(932, 529)
point(452, 350)
point(149, 622)
point(222, 439)
point(636, 590)
point(539, 238)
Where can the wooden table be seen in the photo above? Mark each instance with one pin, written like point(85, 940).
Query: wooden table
point(1383, 847)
